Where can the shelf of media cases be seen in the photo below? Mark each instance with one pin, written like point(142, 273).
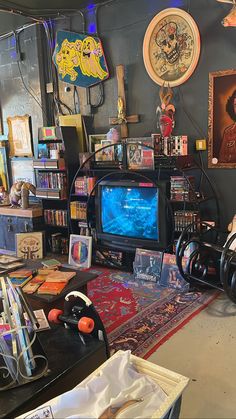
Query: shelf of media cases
point(56, 163)
point(203, 203)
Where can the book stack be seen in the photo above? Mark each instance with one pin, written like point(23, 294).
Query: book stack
point(20, 277)
point(49, 164)
point(51, 264)
point(55, 217)
point(9, 263)
point(84, 185)
point(78, 210)
point(147, 265)
point(55, 282)
point(34, 284)
point(182, 188)
point(184, 218)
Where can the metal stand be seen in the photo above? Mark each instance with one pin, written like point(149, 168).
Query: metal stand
point(209, 263)
point(22, 359)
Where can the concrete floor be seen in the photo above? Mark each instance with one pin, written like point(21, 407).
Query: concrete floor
point(205, 350)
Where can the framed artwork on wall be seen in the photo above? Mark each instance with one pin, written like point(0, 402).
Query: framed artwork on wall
point(4, 178)
point(19, 136)
point(222, 119)
point(171, 47)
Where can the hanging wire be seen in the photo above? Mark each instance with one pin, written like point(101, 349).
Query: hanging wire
point(27, 88)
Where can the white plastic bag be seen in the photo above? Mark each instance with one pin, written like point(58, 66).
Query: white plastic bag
point(116, 383)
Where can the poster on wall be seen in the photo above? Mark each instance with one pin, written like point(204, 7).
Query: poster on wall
point(79, 59)
point(222, 119)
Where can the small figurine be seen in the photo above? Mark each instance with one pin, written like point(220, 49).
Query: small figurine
point(4, 196)
point(166, 112)
point(20, 192)
point(113, 135)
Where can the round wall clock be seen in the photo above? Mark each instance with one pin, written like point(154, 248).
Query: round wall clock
point(171, 47)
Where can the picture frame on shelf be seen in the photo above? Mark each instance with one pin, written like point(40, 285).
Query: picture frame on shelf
point(4, 176)
point(30, 245)
point(22, 170)
point(95, 139)
point(222, 119)
point(171, 47)
point(19, 136)
point(80, 251)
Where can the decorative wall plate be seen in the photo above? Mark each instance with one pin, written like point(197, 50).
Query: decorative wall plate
point(171, 47)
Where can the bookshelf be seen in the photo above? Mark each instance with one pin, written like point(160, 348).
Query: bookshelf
point(191, 197)
point(56, 163)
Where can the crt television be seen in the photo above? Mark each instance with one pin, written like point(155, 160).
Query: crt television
point(131, 214)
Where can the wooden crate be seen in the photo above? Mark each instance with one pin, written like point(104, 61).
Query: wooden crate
point(172, 383)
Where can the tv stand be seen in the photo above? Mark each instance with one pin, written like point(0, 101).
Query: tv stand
point(204, 199)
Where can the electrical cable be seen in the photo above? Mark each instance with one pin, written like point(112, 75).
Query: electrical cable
point(27, 88)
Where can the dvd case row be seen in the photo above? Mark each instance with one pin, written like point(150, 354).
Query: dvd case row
point(158, 267)
point(84, 185)
point(51, 180)
point(176, 145)
point(56, 217)
point(78, 210)
point(184, 218)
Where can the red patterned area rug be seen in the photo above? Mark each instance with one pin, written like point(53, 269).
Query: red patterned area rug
point(140, 315)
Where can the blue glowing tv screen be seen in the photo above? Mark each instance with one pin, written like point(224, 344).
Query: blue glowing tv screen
point(130, 211)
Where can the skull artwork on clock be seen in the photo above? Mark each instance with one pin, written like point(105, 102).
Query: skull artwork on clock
point(167, 40)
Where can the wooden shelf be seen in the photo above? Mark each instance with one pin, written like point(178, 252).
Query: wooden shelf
point(33, 211)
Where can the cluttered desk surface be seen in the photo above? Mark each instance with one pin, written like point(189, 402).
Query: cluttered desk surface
point(69, 362)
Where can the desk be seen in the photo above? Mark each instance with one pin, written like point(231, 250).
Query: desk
point(47, 302)
point(69, 362)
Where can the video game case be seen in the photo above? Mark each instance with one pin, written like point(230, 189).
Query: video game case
point(147, 265)
point(139, 156)
point(170, 275)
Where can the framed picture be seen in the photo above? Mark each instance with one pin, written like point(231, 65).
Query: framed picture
point(19, 136)
point(222, 119)
point(80, 251)
point(30, 245)
point(22, 170)
point(95, 139)
point(171, 47)
point(4, 178)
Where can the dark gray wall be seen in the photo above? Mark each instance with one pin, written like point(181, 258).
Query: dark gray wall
point(121, 26)
point(14, 97)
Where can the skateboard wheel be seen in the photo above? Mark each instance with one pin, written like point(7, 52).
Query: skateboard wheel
point(53, 315)
point(86, 325)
